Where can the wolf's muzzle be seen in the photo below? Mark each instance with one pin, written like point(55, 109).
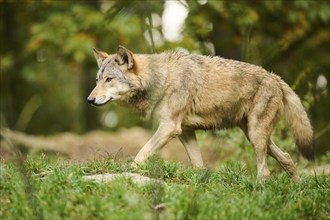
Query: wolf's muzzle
point(92, 100)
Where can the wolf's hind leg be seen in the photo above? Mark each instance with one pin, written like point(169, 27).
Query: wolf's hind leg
point(284, 160)
point(267, 108)
point(260, 148)
point(259, 144)
point(188, 139)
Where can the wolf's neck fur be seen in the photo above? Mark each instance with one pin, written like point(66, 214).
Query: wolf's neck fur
point(139, 102)
point(148, 90)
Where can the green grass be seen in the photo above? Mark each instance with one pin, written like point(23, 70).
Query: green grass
point(48, 188)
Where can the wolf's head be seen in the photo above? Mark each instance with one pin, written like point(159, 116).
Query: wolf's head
point(114, 78)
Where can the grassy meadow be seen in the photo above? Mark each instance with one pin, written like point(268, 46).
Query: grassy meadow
point(44, 187)
point(48, 69)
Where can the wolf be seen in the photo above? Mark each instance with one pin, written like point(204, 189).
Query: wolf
point(186, 92)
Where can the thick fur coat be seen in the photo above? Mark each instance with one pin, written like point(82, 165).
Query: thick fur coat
point(186, 92)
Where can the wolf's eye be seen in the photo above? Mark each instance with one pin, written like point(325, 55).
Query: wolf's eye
point(108, 79)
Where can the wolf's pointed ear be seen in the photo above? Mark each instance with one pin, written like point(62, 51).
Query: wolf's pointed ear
point(124, 56)
point(100, 56)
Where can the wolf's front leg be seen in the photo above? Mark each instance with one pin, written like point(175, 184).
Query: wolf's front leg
point(188, 139)
point(165, 132)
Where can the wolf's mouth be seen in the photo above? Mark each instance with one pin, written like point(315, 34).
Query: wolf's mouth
point(100, 104)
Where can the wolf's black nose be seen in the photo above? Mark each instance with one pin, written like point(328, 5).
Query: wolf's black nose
point(91, 99)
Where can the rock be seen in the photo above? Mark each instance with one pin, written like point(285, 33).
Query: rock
point(109, 177)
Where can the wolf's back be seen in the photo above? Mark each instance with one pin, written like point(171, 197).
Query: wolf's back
point(298, 121)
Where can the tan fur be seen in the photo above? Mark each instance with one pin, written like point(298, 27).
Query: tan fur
point(188, 92)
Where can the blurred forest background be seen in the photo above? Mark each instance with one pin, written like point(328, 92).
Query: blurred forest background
point(48, 68)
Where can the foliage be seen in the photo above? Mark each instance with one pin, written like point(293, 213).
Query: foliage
point(58, 191)
point(47, 66)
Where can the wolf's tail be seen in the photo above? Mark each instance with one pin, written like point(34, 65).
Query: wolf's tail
point(298, 121)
